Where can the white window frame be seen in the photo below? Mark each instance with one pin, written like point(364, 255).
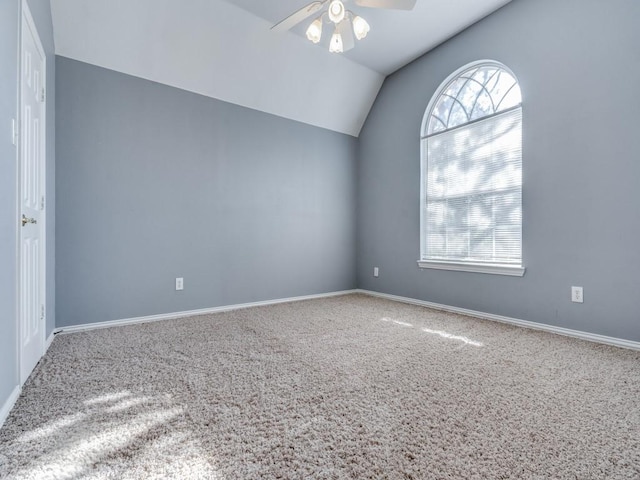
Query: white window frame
point(474, 267)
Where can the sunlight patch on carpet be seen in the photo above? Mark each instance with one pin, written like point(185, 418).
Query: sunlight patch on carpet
point(397, 322)
point(52, 427)
point(110, 397)
point(450, 336)
point(73, 459)
point(440, 333)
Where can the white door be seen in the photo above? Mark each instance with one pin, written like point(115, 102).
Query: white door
point(31, 201)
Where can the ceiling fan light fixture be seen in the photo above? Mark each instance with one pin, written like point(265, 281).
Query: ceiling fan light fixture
point(336, 43)
point(360, 27)
point(346, 24)
point(336, 11)
point(314, 32)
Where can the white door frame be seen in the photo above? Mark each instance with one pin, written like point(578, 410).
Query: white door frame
point(26, 20)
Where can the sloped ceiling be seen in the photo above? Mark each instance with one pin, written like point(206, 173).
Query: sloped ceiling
point(226, 50)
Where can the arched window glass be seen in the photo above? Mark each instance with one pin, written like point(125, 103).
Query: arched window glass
point(471, 207)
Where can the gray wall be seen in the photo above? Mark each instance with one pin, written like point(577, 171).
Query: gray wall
point(578, 64)
point(155, 183)
point(9, 34)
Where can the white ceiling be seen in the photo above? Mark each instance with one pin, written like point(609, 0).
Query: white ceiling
point(397, 37)
point(225, 49)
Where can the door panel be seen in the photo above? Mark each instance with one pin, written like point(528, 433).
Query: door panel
point(32, 144)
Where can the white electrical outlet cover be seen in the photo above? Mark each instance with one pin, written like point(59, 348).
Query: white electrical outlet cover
point(577, 295)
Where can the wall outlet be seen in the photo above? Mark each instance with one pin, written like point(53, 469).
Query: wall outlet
point(576, 295)
point(376, 272)
point(179, 283)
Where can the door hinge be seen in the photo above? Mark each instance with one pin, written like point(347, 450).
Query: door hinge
point(42, 95)
point(41, 312)
point(42, 203)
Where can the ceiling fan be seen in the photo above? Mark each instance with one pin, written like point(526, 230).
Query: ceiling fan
point(344, 22)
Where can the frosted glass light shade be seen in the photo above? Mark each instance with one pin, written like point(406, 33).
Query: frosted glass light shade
point(336, 43)
point(360, 27)
point(336, 11)
point(314, 32)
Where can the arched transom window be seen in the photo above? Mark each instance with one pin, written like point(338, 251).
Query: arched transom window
point(471, 205)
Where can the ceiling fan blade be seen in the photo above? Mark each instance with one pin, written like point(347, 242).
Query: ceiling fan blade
point(296, 17)
point(345, 29)
point(390, 4)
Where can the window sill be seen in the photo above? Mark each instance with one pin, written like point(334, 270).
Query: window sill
point(494, 269)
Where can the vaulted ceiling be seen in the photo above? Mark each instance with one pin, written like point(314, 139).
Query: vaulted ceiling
point(225, 49)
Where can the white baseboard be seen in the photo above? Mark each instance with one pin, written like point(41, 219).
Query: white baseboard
point(192, 313)
point(8, 405)
point(591, 337)
point(49, 340)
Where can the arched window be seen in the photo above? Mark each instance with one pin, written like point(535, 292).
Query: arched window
point(471, 173)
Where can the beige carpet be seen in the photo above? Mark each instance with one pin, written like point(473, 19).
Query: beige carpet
point(345, 387)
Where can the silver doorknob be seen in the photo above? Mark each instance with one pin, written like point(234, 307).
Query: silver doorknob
point(26, 220)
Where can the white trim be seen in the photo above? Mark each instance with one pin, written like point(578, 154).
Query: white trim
point(191, 313)
point(15, 394)
point(512, 270)
point(591, 337)
point(424, 167)
point(18, 207)
point(8, 405)
point(454, 76)
point(50, 339)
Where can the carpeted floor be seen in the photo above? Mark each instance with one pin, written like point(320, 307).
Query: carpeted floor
point(345, 387)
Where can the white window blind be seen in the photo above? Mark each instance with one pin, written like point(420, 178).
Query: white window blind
point(472, 171)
